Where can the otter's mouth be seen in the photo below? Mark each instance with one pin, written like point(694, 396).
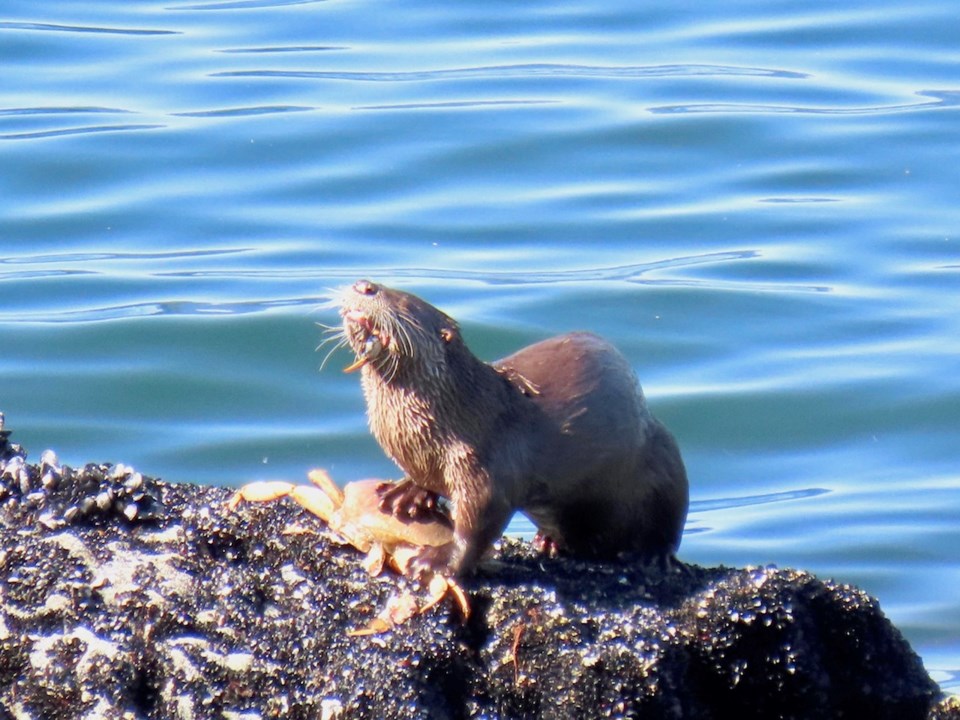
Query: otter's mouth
point(368, 342)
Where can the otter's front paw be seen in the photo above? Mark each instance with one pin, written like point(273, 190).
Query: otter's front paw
point(436, 560)
point(407, 501)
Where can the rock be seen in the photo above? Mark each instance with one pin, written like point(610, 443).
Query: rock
point(179, 609)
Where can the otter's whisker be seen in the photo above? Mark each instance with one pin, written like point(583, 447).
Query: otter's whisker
point(393, 364)
point(402, 329)
point(341, 342)
point(330, 328)
point(334, 298)
point(333, 336)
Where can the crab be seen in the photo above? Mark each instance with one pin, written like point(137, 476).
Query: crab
point(353, 514)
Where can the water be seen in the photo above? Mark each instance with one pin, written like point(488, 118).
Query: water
point(758, 205)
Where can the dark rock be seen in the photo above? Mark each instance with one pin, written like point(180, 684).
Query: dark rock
point(180, 609)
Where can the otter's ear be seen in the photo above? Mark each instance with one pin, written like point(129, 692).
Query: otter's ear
point(448, 334)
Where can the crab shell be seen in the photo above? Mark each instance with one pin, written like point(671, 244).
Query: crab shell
point(354, 515)
point(361, 522)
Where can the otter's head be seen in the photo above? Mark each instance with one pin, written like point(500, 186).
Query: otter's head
point(394, 333)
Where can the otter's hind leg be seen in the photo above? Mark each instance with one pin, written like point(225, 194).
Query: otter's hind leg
point(590, 528)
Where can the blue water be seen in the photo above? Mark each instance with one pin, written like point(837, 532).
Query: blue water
point(757, 203)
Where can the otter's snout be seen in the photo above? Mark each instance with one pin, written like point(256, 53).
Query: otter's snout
point(365, 287)
point(368, 340)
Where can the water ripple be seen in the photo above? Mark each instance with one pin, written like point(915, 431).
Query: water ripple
point(637, 273)
point(77, 131)
point(13, 25)
point(454, 104)
point(244, 4)
point(800, 200)
point(96, 257)
point(245, 111)
point(942, 99)
point(80, 110)
point(150, 308)
point(627, 273)
point(633, 273)
point(37, 112)
point(37, 274)
point(748, 500)
point(285, 49)
point(523, 70)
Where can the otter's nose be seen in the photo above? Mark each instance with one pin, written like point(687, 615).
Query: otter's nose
point(365, 287)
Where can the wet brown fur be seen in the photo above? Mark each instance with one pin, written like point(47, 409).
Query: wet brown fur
point(559, 430)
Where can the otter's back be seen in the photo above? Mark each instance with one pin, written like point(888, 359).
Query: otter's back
point(585, 389)
point(609, 477)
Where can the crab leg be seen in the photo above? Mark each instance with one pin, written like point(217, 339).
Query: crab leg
point(314, 499)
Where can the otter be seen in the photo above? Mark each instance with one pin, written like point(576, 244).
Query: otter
point(559, 430)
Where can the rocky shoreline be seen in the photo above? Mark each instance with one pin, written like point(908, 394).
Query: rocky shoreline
point(127, 597)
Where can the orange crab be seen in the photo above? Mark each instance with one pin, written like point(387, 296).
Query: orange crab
point(354, 515)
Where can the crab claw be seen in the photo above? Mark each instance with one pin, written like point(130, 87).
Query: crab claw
point(439, 586)
point(356, 364)
point(372, 347)
point(398, 610)
point(403, 606)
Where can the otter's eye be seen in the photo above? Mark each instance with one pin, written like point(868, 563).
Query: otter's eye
point(365, 287)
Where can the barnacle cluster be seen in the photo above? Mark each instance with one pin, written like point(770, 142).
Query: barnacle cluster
point(60, 495)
